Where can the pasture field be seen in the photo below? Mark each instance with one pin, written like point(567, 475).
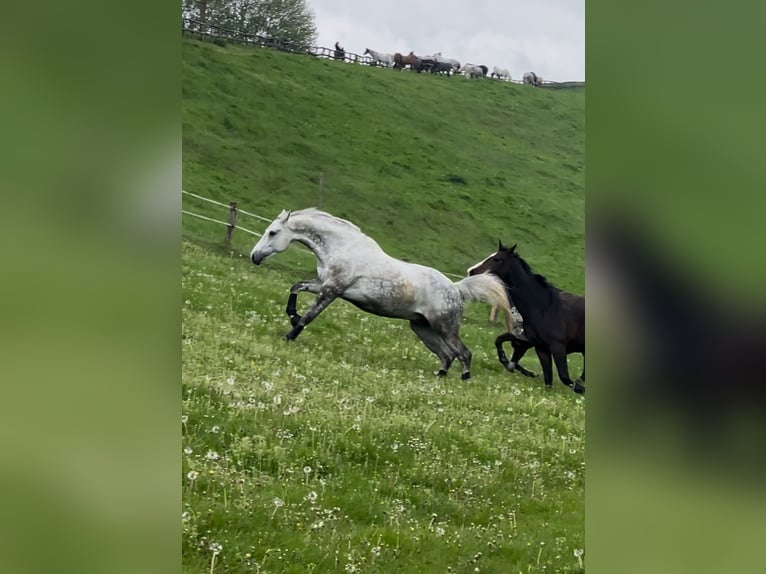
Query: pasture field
point(341, 451)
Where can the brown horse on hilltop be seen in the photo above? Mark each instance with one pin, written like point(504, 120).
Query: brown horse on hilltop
point(410, 60)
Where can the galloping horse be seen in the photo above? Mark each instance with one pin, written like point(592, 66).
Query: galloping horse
point(352, 266)
point(380, 58)
point(554, 320)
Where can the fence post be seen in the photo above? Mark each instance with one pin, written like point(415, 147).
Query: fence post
point(232, 221)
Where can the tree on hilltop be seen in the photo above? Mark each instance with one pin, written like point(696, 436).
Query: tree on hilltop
point(287, 21)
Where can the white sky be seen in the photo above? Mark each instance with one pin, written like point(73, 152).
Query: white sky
point(542, 36)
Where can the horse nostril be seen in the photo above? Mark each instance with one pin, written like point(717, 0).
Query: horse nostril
point(255, 260)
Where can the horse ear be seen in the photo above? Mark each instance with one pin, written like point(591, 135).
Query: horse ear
point(284, 215)
point(513, 249)
point(500, 245)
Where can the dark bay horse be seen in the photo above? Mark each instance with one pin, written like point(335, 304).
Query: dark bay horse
point(554, 320)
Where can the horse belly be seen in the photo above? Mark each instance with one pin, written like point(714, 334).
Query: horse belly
point(385, 298)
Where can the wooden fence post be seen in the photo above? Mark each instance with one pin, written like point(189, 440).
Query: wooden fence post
point(232, 221)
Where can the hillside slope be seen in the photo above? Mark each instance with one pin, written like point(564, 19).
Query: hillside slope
point(434, 168)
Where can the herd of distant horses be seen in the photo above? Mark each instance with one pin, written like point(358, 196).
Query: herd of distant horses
point(352, 266)
point(438, 64)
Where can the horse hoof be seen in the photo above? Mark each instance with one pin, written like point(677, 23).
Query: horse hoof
point(294, 320)
point(465, 376)
point(441, 373)
point(579, 388)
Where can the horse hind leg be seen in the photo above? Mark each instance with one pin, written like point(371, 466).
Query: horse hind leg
point(434, 343)
point(461, 352)
point(581, 379)
point(560, 358)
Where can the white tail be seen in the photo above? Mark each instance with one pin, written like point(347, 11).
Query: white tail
point(485, 287)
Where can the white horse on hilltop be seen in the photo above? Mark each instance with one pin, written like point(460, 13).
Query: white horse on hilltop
point(532, 79)
point(472, 70)
point(451, 61)
point(352, 266)
point(380, 58)
point(500, 73)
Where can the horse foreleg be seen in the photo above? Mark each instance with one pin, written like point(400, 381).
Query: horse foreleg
point(519, 349)
point(312, 286)
point(501, 356)
point(324, 298)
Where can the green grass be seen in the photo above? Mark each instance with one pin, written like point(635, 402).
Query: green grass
point(340, 451)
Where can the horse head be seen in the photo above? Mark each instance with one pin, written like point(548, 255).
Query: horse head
point(275, 239)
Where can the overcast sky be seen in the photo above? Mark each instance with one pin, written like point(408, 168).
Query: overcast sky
point(542, 36)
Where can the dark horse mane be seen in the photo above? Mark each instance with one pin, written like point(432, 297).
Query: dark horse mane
point(547, 288)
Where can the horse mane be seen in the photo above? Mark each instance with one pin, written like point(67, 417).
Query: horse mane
point(313, 211)
point(541, 280)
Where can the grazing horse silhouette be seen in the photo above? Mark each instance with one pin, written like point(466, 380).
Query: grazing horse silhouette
point(554, 321)
point(352, 266)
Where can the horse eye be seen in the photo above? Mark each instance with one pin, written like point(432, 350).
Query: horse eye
point(272, 233)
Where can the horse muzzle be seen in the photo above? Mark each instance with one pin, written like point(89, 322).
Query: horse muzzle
point(256, 258)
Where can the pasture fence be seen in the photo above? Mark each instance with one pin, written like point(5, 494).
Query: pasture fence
point(231, 225)
point(213, 32)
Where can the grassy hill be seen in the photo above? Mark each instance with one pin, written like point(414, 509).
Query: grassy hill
point(434, 168)
point(341, 452)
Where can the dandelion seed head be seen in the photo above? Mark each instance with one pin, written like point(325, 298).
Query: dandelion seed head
point(307, 470)
point(192, 475)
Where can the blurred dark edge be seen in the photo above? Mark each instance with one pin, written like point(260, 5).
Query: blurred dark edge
point(90, 295)
point(675, 289)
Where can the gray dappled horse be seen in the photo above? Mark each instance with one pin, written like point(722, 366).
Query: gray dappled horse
point(352, 266)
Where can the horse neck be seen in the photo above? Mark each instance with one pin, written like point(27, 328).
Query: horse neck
point(321, 235)
point(531, 298)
